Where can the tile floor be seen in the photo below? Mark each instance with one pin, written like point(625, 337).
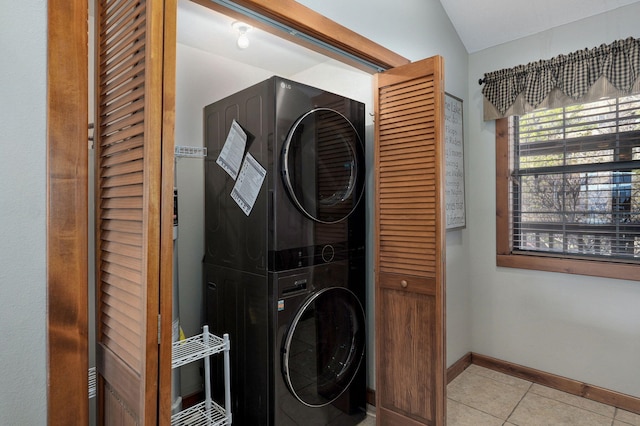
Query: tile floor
point(483, 397)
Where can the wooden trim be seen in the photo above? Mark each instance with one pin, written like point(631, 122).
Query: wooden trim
point(505, 254)
point(458, 367)
point(307, 21)
point(153, 179)
point(67, 213)
point(574, 387)
point(192, 399)
point(371, 397)
point(503, 218)
point(622, 271)
point(166, 212)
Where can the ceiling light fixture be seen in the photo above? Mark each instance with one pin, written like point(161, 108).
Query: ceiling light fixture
point(241, 10)
point(243, 29)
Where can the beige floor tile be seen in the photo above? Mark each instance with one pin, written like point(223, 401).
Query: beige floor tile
point(461, 415)
point(368, 421)
point(492, 397)
point(627, 417)
point(576, 401)
point(500, 377)
point(536, 410)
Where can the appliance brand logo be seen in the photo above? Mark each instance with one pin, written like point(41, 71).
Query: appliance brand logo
point(285, 85)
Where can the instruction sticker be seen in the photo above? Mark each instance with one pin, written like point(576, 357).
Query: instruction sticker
point(247, 187)
point(230, 157)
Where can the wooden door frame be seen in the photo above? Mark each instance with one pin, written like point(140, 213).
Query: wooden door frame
point(67, 178)
point(67, 212)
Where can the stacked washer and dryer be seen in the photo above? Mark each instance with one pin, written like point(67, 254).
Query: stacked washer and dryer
point(287, 281)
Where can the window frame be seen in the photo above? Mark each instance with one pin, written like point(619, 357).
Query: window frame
point(506, 256)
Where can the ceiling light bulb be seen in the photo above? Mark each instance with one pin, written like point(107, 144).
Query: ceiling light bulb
point(242, 28)
point(243, 41)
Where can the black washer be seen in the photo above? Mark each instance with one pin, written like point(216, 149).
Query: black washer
point(324, 346)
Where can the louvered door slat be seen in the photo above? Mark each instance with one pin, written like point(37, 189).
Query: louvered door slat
point(131, 154)
point(124, 180)
point(132, 215)
point(123, 168)
point(120, 316)
point(115, 83)
point(123, 191)
point(409, 254)
point(123, 133)
point(116, 23)
point(122, 226)
point(126, 337)
point(112, 10)
point(129, 262)
point(126, 146)
point(133, 289)
point(129, 294)
point(123, 249)
point(122, 203)
point(406, 149)
point(125, 43)
point(420, 98)
point(118, 90)
point(123, 64)
point(120, 69)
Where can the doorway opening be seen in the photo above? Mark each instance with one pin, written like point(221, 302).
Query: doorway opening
point(210, 66)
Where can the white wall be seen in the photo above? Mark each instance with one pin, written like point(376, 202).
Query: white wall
point(22, 212)
point(579, 327)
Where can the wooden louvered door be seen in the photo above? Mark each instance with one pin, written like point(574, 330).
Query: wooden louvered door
point(410, 244)
point(134, 197)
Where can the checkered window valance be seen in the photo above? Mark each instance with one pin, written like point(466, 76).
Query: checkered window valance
point(607, 70)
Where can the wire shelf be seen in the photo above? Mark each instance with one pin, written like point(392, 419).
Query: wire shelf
point(200, 415)
point(196, 347)
point(202, 346)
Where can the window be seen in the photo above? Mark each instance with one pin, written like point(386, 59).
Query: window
point(568, 189)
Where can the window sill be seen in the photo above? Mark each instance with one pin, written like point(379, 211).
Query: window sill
point(594, 268)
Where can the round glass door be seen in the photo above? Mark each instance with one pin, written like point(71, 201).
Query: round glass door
point(323, 165)
point(324, 346)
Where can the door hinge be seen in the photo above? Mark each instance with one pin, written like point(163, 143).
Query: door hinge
point(159, 327)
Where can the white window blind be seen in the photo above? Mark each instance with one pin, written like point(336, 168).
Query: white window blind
point(576, 180)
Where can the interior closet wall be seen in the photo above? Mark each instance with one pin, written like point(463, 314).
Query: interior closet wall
point(580, 327)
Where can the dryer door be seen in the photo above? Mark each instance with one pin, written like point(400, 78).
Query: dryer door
point(323, 165)
point(324, 346)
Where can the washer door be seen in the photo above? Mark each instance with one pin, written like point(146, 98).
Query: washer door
point(324, 346)
point(323, 165)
